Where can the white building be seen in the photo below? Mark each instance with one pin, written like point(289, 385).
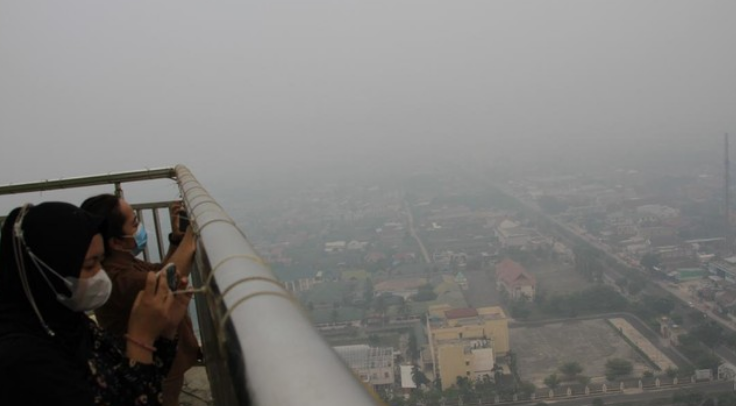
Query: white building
point(372, 365)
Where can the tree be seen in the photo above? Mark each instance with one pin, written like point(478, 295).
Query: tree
point(617, 367)
point(710, 333)
point(650, 260)
point(570, 370)
point(688, 397)
point(677, 318)
point(660, 305)
point(728, 398)
point(520, 309)
point(413, 347)
point(552, 381)
point(671, 372)
point(425, 294)
point(583, 380)
point(418, 376)
point(335, 315)
point(526, 388)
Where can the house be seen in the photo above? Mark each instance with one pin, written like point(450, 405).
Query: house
point(356, 245)
point(670, 247)
point(461, 280)
point(335, 246)
point(374, 257)
point(515, 280)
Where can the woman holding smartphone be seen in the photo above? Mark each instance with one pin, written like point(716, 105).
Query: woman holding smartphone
point(125, 237)
point(51, 353)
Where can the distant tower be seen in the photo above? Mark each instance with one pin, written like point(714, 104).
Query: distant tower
point(727, 191)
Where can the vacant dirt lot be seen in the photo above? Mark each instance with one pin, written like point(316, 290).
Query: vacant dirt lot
point(542, 349)
point(553, 277)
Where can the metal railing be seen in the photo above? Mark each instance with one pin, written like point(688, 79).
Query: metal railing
point(260, 347)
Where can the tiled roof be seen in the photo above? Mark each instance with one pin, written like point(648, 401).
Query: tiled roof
point(512, 273)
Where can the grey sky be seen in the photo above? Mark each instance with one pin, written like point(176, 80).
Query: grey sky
point(239, 88)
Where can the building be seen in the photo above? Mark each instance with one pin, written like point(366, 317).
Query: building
point(515, 280)
point(405, 287)
point(407, 378)
point(724, 268)
point(464, 341)
point(372, 365)
point(511, 234)
point(300, 285)
point(461, 281)
point(670, 331)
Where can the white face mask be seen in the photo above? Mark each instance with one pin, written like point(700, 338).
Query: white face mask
point(87, 294)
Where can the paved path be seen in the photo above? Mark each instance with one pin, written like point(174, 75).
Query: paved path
point(646, 346)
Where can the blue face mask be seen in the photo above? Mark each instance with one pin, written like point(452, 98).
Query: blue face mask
point(141, 240)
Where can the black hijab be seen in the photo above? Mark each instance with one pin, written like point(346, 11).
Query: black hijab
point(60, 235)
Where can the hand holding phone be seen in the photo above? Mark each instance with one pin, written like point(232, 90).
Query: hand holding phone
point(172, 277)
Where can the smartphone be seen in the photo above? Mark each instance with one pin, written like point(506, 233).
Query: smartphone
point(183, 221)
point(172, 278)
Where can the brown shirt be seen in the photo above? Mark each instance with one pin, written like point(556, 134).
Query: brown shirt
point(128, 275)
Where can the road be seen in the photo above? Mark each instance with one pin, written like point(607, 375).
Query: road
point(414, 234)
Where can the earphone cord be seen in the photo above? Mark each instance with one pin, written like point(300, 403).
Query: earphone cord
point(17, 250)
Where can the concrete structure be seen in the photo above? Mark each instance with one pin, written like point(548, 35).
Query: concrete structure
point(463, 342)
point(407, 380)
point(515, 280)
point(372, 365)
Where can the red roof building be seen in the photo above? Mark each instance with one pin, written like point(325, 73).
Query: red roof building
point(515, 280)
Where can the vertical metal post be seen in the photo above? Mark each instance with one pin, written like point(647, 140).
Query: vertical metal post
point(146, 255)
point(119, 190)
point(159, 239)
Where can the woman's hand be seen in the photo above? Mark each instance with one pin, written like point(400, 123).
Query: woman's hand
point(177, 309)
point(149, 317)
point(175, 213)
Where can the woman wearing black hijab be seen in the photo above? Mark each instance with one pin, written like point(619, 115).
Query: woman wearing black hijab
point(51, 353)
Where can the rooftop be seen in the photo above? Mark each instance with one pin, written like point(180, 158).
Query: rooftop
point(461, 313)
point(511, 272)
point(363, 356)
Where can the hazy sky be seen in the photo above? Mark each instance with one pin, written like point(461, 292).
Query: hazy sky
point(240, 88)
